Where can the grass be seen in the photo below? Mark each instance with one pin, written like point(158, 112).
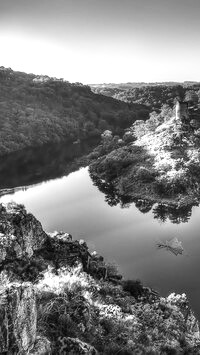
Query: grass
point(113, 319)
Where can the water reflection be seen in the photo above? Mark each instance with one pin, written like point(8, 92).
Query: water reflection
point(173, 245)
point(160, 211)
point(173, 214)
point(122, 235)
point(32, 166)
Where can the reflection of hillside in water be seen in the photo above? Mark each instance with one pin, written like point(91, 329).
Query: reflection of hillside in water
point(175, 215)
point(160, 211)
point(32, 166)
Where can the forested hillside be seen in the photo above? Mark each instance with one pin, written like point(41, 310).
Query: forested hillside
point(35, 110)
point(153, 95)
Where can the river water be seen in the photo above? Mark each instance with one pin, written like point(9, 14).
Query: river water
point(124, 236)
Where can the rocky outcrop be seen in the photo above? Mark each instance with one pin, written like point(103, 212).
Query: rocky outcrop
point(191, 324)
point(18, 319)
point(60, 250)
point(20, 233)
point(26, 250)
point(78, 304)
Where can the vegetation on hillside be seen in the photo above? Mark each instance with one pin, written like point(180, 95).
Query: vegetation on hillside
point(161, 165)
point(35, 110)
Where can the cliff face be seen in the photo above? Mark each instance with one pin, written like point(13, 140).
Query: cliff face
point(20, 233)
point(18, 318)
point(78, 303)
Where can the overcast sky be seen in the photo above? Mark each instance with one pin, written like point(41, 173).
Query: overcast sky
point(96, 41)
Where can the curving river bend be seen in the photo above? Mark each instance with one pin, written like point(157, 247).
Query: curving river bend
point(124, 236)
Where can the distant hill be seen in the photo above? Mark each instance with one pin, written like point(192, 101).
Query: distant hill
point(35, 110)
point(142, 84)
point(154, 95)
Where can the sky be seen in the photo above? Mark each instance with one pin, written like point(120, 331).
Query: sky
point(102, 41)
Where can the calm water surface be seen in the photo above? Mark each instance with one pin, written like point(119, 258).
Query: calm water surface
point(122, 235)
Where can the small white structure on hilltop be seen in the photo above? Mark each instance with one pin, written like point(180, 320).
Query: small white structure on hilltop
point(45, 78)
point(41, 79)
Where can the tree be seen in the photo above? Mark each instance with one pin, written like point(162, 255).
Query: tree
point(191, 97)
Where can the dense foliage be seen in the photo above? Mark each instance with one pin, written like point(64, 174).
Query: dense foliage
point(161, 165)
point(35, 110)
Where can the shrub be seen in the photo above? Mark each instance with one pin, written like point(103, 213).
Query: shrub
point(26, 270)
point(114, 162)
point(134, 287)
point(145, 174)
point(170, 187)
point(169, 350)
point(128, 137)
point(113, 349)
point(107, 325)
point(194, 170)
point(139, 128)
point(119, 159)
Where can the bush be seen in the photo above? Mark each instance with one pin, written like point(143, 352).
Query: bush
point(177, 185)
point(168, 350)
point(139, 128)
point(113, 349)
point(145, 174)
point(26, 270)
point(113, 165)
point(128, 137)
point(114, 162)
point(134, 287)
point(194, 170)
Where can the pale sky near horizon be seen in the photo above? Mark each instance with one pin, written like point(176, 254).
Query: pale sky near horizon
point(97, 41)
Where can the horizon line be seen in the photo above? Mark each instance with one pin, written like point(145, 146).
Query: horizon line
point(108, 83)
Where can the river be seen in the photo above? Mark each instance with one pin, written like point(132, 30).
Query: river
point(124, 236)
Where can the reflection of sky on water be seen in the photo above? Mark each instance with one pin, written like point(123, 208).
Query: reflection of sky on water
point(126, 236)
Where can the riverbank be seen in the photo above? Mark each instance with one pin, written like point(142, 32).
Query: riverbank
point(77, 301)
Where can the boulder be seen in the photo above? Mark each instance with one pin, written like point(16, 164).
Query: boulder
point(20, 233)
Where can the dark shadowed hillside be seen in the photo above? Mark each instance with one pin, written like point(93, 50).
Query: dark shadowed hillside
point(35, 110)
